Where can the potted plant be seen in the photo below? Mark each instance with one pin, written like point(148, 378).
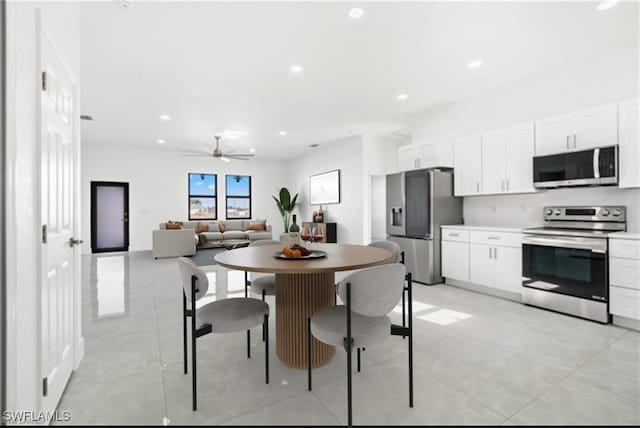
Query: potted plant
point(285, 205)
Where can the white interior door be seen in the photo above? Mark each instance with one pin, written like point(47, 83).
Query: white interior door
point(58, 113)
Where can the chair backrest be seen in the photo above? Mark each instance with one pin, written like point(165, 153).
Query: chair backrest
point(375, 291)
point(264, 242)
point(188, 269)
point(390, 246)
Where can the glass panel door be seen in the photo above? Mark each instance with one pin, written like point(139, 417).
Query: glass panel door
point(417, 197)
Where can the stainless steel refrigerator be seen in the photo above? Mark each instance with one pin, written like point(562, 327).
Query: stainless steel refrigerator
point(418, 203)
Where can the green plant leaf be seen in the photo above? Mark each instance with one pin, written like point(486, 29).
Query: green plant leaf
point(279, 205)
point(293, 202)
point(285, 198)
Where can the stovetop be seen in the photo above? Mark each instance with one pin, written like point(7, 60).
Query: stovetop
point(602, 234)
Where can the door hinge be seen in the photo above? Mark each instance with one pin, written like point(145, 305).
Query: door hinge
point(44, 233)
point(44, 80)
point(45, 386)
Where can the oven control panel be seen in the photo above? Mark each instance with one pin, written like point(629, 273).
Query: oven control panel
point(601, 213)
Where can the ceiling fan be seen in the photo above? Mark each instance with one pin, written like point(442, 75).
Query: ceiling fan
point(217, 153)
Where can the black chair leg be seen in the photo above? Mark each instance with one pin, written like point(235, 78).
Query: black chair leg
point(248, 343)
point(403, 311)
point(309, 337)
point(358, 360)
point(246, 284)
point(194, 378)
point(410, 298)
point(265, 326)
point(349, 349)
point(184, 330)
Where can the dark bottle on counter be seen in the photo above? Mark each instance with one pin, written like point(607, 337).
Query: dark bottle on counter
point(294, 226)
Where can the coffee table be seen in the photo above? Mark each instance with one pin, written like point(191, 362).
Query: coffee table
point(232, 244)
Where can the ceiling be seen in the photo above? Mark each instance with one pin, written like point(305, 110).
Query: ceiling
point(215, 66)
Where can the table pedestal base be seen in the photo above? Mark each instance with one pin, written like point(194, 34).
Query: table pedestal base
point(298, 297)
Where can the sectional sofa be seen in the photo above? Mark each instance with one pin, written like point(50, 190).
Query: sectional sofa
point(174, 239)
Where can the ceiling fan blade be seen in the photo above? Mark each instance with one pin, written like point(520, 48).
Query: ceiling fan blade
point(197, 154)
point(244, 155)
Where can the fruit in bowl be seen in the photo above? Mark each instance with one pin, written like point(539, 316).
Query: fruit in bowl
point(295, 251)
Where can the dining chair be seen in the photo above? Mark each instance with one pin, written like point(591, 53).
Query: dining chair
point(264, 285)
point(369, 295)
point(398, 257)
point(220, 316)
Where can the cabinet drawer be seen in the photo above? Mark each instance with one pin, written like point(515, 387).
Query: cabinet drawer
point(496, 238)
point(624, 302)
point(455, 235)
point(624, 272)
point(625, 248)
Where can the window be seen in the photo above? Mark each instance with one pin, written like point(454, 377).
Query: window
point(238, 194)
point(203, 196)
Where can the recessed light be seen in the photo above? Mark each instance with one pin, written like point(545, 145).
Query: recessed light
point(165, 117)
point(607, 4)
point(252, 150)
point(475, 63)
point(402, 97)
point(356, 13)
point(314, 145)
point(295, 69)
point(282, 133)
point(160, 141)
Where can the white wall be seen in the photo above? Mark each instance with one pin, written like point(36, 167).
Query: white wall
point(612, 76)
point(347, 156)
point(158, 186)
point(62, 22)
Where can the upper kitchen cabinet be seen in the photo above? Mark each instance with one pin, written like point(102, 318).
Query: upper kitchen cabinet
point(629, 141)
point(507, 160)
point(425, 155)
point(467, 165)
point(593, 127)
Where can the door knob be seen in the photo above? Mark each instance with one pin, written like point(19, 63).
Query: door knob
point(73, 242)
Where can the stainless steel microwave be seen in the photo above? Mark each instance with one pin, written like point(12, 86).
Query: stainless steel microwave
point(593, 167)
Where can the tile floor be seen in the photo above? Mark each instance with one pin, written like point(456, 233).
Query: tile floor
point(478, 360)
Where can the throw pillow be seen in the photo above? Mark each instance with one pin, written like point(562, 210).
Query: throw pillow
point(257, 226)
point(220, 227)
point(203, 227)
point(173, 226)
point(213, 227)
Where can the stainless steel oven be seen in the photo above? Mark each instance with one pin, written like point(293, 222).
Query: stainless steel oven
point(593, 167)
point(565, 264)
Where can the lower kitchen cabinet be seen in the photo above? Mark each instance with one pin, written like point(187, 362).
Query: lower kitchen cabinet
point(486, 257)
point(624, 278)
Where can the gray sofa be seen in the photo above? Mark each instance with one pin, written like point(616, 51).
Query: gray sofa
point(185, 241)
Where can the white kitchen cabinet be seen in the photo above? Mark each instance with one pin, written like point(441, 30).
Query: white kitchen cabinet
point(508, 268)
point(467, 166)
point(624, 277)
point(481, 264)
point(408, 157)
point(494, 161)
point(455, 260)
point(629, 141)
point(584, 129)
point(553, 134)
point(520, 145)
point(436, 154)
point(595, 127)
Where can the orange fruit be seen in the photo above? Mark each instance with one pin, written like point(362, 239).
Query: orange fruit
point(296, 253)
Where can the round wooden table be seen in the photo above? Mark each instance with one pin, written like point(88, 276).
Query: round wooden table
point(303, 287)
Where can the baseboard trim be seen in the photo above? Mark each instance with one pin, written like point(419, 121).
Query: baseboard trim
point(626, 322)
point(79, 353)
point(482, 289)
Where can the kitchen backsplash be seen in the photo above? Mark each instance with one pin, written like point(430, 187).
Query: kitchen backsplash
point(526, 210)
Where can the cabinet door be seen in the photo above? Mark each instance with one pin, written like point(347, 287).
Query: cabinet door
point(494, 153)
point(428, 155)
point(519, 158)
point(508, 268)
point(629, 140)
point(552, 135)
point(481, 264)
point(455, 260)
point(408, 158)
point(467, 166)
point(595, 127)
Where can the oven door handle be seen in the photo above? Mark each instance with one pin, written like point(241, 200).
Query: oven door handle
point(594, 245)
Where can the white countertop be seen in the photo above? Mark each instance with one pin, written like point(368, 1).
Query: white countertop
point(625, 235)
point(486, 228)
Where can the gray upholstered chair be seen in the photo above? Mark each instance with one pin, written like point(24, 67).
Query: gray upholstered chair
point(220, 316)
point(264, 285)
point(369, 295)
point(398, 257)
